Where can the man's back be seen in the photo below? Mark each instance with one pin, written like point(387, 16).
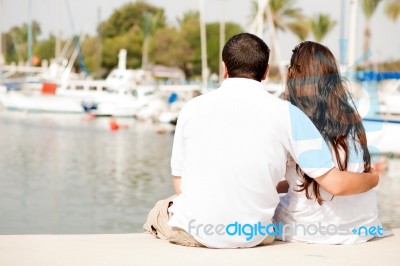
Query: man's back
point(230, 149)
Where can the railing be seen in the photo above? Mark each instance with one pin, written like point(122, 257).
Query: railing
point(22, 69)
point(86, 85)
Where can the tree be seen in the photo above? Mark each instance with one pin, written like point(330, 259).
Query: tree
point(132, 41)
point(283, 12)
point(131, 15)
point(368, 8)
point(189, 28)
point(213, 42)
point(169, 47)
point(45, 49)
point(321, 25)
point(128, 27)
point(89, 50)
point(16, 41)
point(392, 9)
point(300, 28)
point(285, 16)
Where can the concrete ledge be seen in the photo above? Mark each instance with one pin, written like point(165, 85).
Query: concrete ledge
point(144, 249)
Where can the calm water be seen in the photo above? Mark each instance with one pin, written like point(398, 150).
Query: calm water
point(65, 174)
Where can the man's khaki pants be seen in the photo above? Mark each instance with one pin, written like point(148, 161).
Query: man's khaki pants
point(158, 218)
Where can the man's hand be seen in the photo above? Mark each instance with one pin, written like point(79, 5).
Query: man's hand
point(282, 187)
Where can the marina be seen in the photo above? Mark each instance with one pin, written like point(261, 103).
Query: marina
point(90, 95)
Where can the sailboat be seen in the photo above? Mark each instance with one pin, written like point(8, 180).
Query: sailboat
point(122, 93)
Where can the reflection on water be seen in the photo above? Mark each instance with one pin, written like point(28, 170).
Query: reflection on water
point(65, 174)
point(388, 195)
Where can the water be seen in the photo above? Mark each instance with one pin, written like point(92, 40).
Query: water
point(63, 174)
point(66, 174)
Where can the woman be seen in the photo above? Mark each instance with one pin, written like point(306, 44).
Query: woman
point(315, 86)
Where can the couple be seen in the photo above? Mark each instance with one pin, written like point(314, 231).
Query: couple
point(235, 145)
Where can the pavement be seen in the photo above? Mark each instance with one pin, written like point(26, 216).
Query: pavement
point(144, 249)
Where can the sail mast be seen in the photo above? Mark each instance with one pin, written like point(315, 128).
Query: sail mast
point(275, 42)
point(204, 66)
point(29, 56)
point(352, 33)
point(1, 34)
point(221, 40)
point(58, 30)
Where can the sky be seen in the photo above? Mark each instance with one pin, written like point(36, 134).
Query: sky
point(385, 44)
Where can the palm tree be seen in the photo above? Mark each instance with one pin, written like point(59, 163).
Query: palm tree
point(368, 7)
point(283, 16)
point(392, 9)
point(283, 12)
point(321, 25)
point(300, 28)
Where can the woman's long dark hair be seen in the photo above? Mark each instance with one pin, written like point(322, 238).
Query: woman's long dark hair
point(315, 86)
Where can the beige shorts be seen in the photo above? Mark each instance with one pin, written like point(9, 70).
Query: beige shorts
point(156, 224)
point(158, 218)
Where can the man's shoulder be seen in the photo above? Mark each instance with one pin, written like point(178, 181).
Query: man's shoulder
point(202, 99)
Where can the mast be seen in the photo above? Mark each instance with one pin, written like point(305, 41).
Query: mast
point(99, 42)
point(146, 42)
point(204, 66)
point(1, 34)
point(343, 41)
point(257, 28)
point(29, 56)
point(353, 32)
point(58, 30)
point(221, 40)
point(274, 38)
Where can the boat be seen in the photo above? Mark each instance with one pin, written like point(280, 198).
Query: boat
point(121, 94)
point(379, 107)
point(167, 103)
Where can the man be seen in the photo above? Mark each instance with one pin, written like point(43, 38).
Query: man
point(230, 151)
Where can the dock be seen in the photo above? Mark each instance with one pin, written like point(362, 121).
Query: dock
point(144, 249)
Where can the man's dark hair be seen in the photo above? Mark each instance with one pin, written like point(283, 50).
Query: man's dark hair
point(246, 56)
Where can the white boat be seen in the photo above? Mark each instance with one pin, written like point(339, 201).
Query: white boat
point(380, 110)
point(167, 104)
point(122, 93)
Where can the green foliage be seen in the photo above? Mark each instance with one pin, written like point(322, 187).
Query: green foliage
point(90, 51)
point(300, 28)
point(390, 66)
point(321, 25)
point(15, 41)
point(368, 7)
point(45, 49)
point(189, 26)
point(127, 28)
point(132, 41)
point(131, 15)
point(213, 42)
point(392, 9)
point(284, 13)
point(170, 47)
